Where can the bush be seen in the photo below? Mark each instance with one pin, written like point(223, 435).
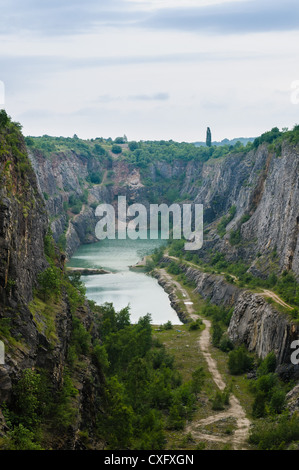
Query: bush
point(20, 438)
point(216, 334)
point(76, 209)
point(268, 365)
point(275, 435)
point(116, 149)
point(4, 119)
point(221, 227)
point(49, 282)
point(101, 356)
point(95, 177)
point(120, 140)
point(167, 326)
point(174, 268)
point(133, 146)
point(225, 344)
point(198, 379)
point(31, 397)
point(195, 325)
point(235, 237)
point(221, 400)
point(259, 406)
point(81, 339)
point(99, 150)
point(239, 361)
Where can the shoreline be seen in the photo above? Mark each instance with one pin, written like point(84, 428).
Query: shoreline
point(174, 300)
point(88, 271)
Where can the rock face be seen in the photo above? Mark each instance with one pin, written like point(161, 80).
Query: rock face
point(60, 176)
point(211, 287)
point(64, 175)
point(24, 331)
point(262, 329)
point(174, 300)
point(254, 322)
point(293, 400)
point(23, 226)
point(262, 186)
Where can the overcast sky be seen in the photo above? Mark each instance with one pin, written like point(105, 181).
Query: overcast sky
point(158, 69)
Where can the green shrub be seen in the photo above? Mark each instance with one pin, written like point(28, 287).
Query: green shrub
point(195, 325)
point(167, 326)
point(239, 361)
point(226, 344)
point(20, 438)
point(217, 332)
point(50, 282)
point(268, 365)
point(221, 227)
point(275, 434)
point(95, 177)
point(235, 237)
point(116, 149)
point(221, 400)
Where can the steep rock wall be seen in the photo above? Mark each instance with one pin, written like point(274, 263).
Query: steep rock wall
point(23, 328)
point(254, 322)
point(263, 329)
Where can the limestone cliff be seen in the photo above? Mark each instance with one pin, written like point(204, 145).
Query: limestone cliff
point(36, 335)
point(262, 185)
point(254, 322)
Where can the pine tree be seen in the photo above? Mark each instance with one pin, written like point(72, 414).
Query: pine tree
point(209, 138)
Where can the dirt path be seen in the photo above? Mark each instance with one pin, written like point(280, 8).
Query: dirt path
point(235, 409)
point(264, 293)
point(269, 293)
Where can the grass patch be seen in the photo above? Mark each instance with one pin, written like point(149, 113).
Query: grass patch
point(44, 316)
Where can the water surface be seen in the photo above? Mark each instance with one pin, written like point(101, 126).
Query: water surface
point(124, 286)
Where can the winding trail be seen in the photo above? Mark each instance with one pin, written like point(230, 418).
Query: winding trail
point(272, 295)
point(235, 410)
point(264, 293)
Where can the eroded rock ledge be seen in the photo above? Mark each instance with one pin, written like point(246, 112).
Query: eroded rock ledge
point(175, 302)
point(254, 323)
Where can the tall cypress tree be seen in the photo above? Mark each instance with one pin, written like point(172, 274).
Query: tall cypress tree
point(209, 138)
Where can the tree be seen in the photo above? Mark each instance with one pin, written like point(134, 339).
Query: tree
point(3, 118)
point(133, 145)
point(259, 405)
point(49, 282)
point(198, 378)
point(116, 424)
point(217, 334)
point(239, 361)
point(119, 140)
point(209, 138)
point(116, 149)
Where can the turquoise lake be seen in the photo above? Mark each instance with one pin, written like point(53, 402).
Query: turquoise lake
point(124, 286)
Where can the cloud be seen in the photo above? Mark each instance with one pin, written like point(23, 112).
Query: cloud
point(154, 97)
point(64, 17)
point(160, 96)
point(250, 16)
